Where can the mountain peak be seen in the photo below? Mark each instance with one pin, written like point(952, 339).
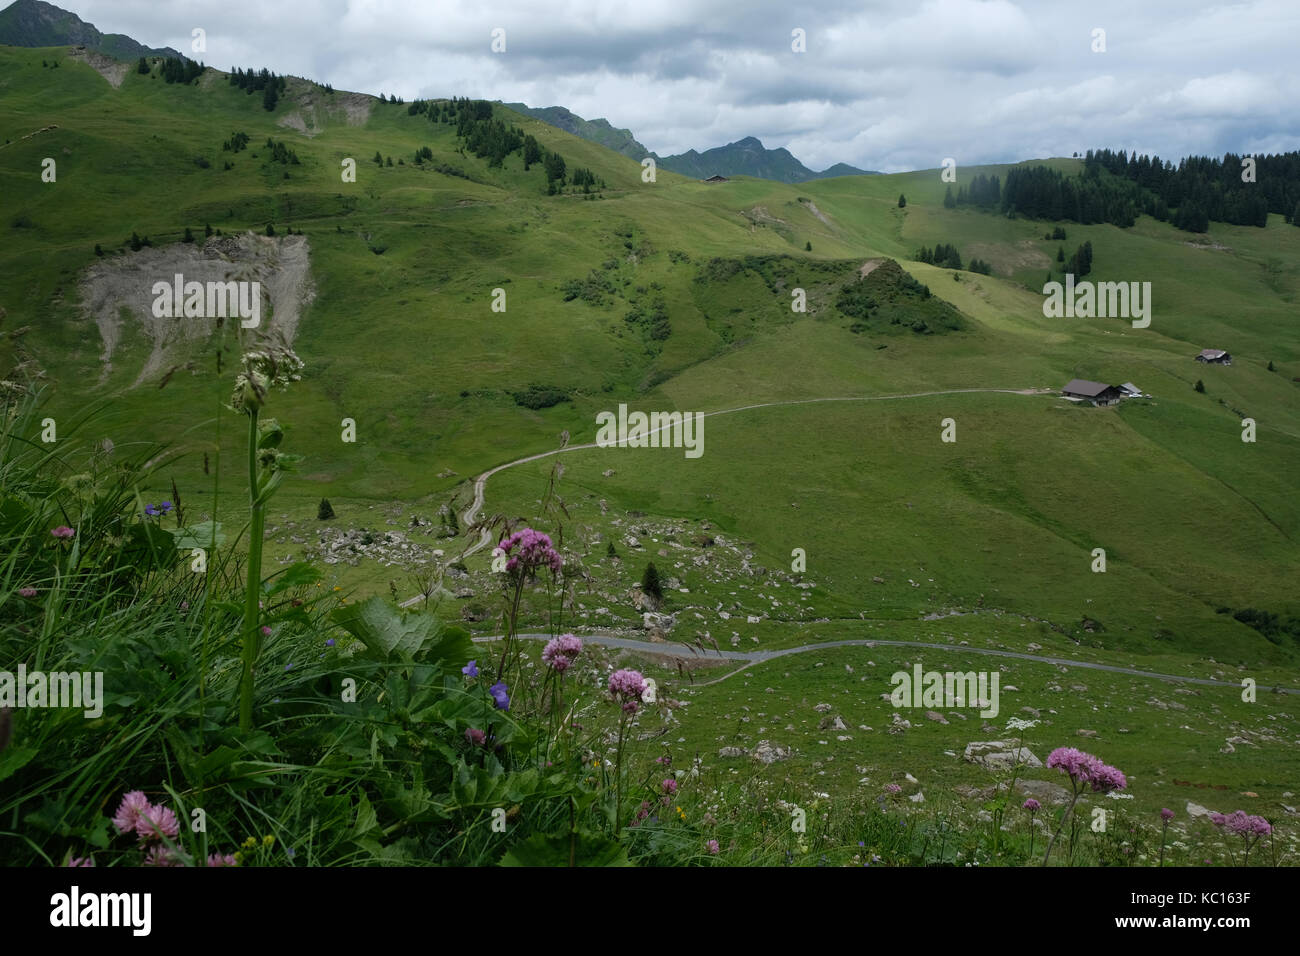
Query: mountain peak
point(35, 23)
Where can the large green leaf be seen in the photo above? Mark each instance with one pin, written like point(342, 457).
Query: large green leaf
point(390, 636)
point(198, 535)
point(589, 849)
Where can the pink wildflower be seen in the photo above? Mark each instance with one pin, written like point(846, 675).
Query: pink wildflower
point(128, 813)
point(712, 847)
point(475, 736)
point(81, 861)
point(1084, 768)
point(534, 551)
point(1166, 814)
point(155, 822)
point(160, 856)
point(669, 785)
point(62, 531)
point(560, 652)
point(1032, 805)
point(27, 592)
point(222, 859)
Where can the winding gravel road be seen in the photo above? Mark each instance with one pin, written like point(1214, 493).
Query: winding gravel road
point(757, 657)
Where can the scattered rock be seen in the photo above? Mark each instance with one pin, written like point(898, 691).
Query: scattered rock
point(766, 752)
point(1000, 755)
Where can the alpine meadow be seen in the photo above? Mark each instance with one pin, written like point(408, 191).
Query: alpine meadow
point(409, 476)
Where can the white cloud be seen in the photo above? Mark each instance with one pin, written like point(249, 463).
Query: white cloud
point(884, 84)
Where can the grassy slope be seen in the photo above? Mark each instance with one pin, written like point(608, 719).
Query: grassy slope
point(1190, 516)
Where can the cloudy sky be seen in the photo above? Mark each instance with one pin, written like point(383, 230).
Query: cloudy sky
point(883, 84)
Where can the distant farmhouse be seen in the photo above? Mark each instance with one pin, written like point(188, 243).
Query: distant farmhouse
point(715, 179)
point(1214, 357)
point(1129, 390)
point(1081, 390)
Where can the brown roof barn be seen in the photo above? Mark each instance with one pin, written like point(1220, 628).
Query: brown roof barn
point(1095, 392)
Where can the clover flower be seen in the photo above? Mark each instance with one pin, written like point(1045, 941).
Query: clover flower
point(62, 532)
point(155, 822)
point(128, 812)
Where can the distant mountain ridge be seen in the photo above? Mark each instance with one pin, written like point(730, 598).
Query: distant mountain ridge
point(34, 23)
point(745, 157)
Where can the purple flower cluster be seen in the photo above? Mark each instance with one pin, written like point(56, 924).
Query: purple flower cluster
point(530, 550)
point(627, 686)
point(1166, 815)
point(1032, 805)
point(1084, 768)
point(1242, 823)
point(157, 511)
point(148, 822)
point(560, 652)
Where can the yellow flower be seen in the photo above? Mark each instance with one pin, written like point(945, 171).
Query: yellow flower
point(268, 840)
point(337, 588)
point(250, 843)
point(239, 857)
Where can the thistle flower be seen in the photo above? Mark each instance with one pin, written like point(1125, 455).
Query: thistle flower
point(1166, 814)
point(1032, 805)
